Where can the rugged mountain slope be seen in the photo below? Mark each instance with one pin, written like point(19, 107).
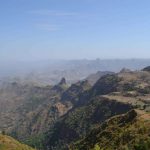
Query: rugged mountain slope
point(80, 121)
point(75, 91)
point(93, 78)
point(61, 115)
point(111, 95)
point(8, 143)
point(146, 68)
point(128, 131)
point(28, 110)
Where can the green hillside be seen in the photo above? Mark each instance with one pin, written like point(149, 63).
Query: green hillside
point(124, 132)
point(8, 143)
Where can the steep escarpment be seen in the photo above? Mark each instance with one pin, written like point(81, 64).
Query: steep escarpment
point(110, 96)
point(61, 116)
point(93, 78)
point(128, 131)
point(80, 121)
point(27, 110)
point(106, 84)
point(76, 91)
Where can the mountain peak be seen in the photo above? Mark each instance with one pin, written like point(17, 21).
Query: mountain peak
point(106, 84)
point(61, 86)
point(146, 69)
point(125, 70)
point(62, 81)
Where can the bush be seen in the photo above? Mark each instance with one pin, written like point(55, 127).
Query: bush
point(96, 147)
point(142, 145)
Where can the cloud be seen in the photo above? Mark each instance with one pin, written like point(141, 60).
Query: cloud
point(46, 13)
point(52, 13)
point(47, 27)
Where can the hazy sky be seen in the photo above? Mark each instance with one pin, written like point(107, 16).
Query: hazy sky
point(74, 29)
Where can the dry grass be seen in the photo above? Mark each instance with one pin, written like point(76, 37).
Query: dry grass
point(8, 143)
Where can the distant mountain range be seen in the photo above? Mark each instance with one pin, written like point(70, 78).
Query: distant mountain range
point(51, 72)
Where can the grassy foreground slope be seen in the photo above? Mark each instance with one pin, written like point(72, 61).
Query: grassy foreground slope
point(8, 143)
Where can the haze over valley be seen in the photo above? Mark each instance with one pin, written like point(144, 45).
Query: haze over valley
point(50, 72)
point(74, 75)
